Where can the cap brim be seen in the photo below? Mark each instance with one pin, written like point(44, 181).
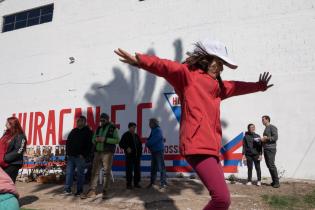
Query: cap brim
point(228, 62)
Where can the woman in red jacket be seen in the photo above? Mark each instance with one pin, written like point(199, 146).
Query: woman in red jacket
point(200, 88)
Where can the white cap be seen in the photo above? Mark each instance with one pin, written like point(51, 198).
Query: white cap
point(218, 49)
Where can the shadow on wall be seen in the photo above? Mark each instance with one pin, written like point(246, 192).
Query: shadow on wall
point(124, 91)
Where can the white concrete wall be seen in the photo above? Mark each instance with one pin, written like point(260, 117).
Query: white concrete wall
point(274, 36)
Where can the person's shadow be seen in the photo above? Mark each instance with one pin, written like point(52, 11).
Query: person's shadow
point(27, 200)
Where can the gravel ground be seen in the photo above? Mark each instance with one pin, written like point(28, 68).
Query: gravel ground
point(181, 194)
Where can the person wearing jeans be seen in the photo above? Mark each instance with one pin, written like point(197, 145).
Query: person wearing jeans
point(78, 149)
point(269, 140)
point(155, 143)
point(252, 153)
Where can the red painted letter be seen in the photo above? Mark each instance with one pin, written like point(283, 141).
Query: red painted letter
point(90, 117)
point(38, 127)
point(51, 128)
point(61, 116)
point(113, 113)
point(139, 118)
point(77, 114)
point(30, 129)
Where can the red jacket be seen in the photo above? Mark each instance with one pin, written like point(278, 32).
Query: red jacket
point(200, 96)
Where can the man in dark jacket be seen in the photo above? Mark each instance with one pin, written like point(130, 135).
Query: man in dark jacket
point(78, 150)
point(252, 151)
point(269, 140)
point(132, 146)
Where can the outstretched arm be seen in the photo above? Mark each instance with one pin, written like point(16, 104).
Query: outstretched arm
point(235, 88)
point(175, 73)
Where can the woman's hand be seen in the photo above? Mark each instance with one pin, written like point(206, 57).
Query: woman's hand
point(264, 79)
point(127, 57)
point(260, 158)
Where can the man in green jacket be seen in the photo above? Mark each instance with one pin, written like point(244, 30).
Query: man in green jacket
point(105, 139)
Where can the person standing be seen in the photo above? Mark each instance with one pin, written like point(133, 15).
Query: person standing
point(198, 83)
point(8, 193)
point(132, 146)
point(269, 140)
point(252, 153)
point(105, 139)
point(78, 150)
point(155, 143)
point(12, 148)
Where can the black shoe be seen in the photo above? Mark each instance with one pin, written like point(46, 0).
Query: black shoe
point(272, 183)
point(137, 186)
point(276, 185)
point(78, 193)
point(105, 196)
point(129, 187)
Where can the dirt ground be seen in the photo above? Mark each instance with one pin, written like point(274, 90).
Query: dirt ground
point(181, 194)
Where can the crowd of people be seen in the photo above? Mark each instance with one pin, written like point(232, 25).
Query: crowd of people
point(198, 83)
point(88, 153)
point(98, 148)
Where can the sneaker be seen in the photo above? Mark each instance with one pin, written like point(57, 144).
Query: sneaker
point(90, 194)
point(164, 186)
point(259, 183)
point(249, 183)
point(67, 192)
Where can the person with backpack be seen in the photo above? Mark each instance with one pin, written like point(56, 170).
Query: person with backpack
point(12, 147)
point(105, 139)
point(252, 153)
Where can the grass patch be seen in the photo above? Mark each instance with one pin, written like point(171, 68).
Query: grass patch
point(290, 201)
point(277, 201)
point(310, 199)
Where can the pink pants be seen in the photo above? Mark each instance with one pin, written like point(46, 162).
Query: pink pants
point(210, 172)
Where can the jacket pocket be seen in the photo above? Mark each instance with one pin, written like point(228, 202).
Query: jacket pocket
point(193, 127)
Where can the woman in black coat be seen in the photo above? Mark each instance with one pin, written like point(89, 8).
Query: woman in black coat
point(13, 146)
point(252, 153)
